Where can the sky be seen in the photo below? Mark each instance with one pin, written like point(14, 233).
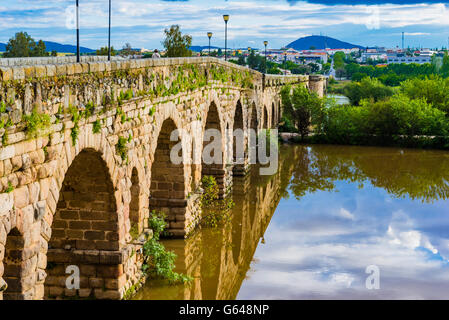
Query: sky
point(142, 22)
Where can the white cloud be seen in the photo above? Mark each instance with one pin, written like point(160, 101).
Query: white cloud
point(346, 214)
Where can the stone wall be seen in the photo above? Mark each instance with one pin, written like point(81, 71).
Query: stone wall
point(35, 61)
point(83, 161)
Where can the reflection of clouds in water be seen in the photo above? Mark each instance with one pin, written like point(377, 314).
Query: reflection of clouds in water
point(318, 251)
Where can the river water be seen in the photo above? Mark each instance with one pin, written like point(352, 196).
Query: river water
point(311, 230)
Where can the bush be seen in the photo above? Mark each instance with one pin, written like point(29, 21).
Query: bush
point(367, 88)
point(435, 90)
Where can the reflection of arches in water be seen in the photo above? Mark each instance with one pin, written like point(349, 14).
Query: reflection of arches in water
point(13, 266)
point(237, 229)
point(211, 265)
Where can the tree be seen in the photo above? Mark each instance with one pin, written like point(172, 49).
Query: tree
point(39, 50)
point(103, 51)
point(176, 44)
point(340, 73)
point(127, 50)
point(339, 60)
point(302, 107)
point(22, 45)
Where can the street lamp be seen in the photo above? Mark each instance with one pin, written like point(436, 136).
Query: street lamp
point(265, 44)
point(285, 63)
point(109, 36)
point(226, 19)
point(77, 33)
point(209, 35)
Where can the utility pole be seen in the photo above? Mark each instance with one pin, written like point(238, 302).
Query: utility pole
point(109, 37)
point(403, 41)
point(77, 33)
point(226, 19)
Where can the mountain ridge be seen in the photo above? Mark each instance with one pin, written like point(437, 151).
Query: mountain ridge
point(320, 42)
point(50, 46)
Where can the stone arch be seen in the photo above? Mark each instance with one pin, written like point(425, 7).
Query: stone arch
point(279, 111)
point(253, 120)
point(273, 116)
point(168, 188)
point(13, 262)
point(238, 124)
point(217, 170)
point(85, 230)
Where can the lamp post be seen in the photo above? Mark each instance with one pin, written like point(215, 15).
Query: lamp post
point(265, 44)
point(226, 19)
point(77, 33)
point(209, 35)
point(109, 35)
point(285, 63)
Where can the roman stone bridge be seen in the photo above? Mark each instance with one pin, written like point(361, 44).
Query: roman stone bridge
point(85, 157)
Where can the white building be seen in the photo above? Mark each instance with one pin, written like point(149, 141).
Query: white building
point(404, 59)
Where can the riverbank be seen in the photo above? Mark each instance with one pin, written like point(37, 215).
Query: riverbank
point(418, 142)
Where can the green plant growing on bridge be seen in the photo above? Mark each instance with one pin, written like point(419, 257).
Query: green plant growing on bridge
point(152, 111)
point(76, 116)
point(10, 188)
point(36, 123)
point(216, 212)
point(158, 262)
point(96, 128)
point(122, 148)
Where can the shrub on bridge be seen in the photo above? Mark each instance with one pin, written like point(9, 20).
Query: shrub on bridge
point(158, 262)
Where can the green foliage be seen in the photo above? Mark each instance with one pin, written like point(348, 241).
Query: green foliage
point(10, 188)
point(152, 111)
point(176, 44)
point(76, 116)
point(367, 88)
point(393, 74)
point(435, 90)
point(22, 45)
point(103, 51)
point(122, 115)
point(36, 123)
point(96, 127)
point(302, 108)
point(339, 60)
point(216, 212)
point(158, 262)
point(122, 148)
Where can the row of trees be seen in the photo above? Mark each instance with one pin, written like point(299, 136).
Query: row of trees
point(394, 74)
point(419, 107)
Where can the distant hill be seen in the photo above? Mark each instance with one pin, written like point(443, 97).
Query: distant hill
point(320, 42)
point(66, 48)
